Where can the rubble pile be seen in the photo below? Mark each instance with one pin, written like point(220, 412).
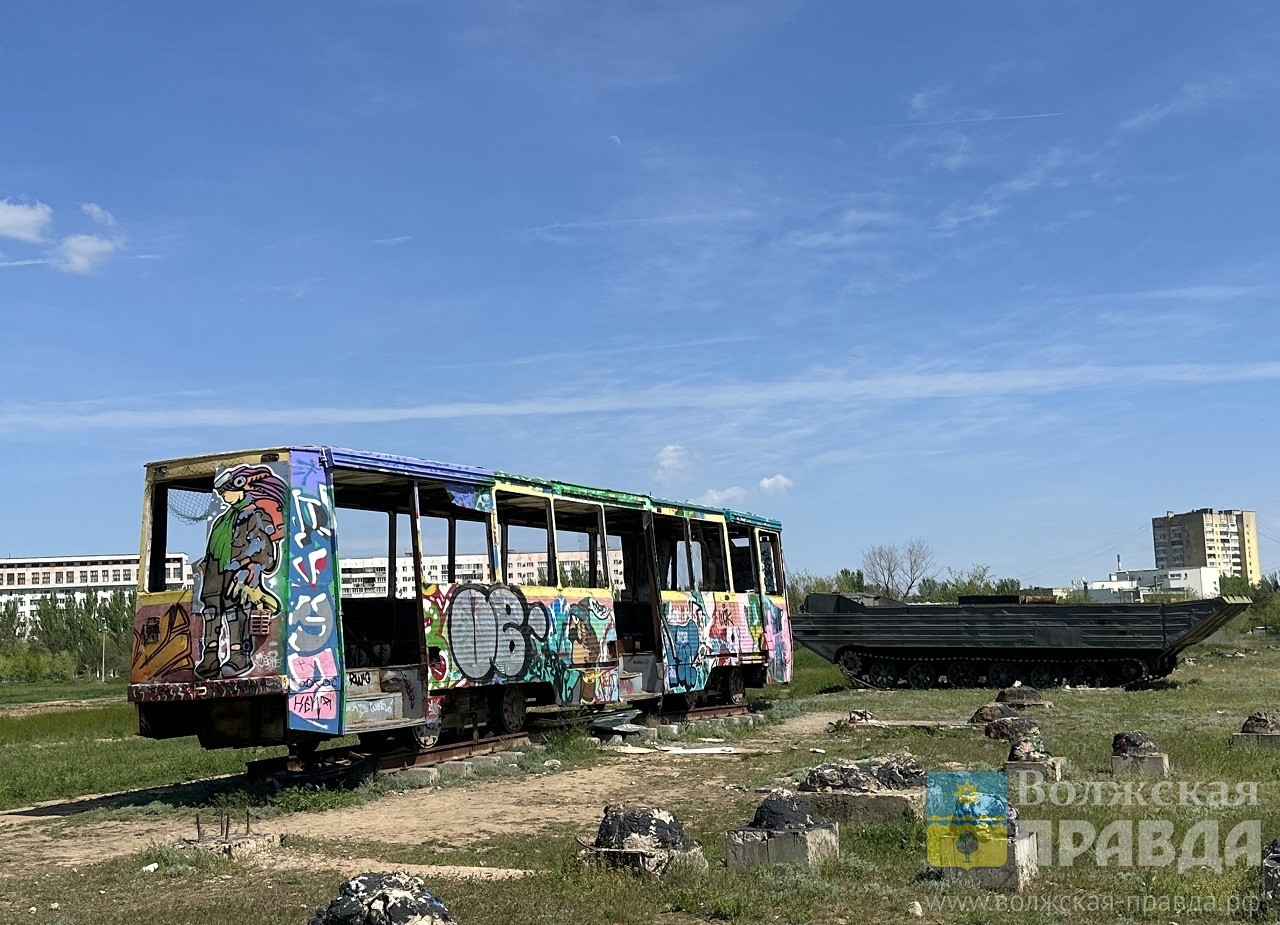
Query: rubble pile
point(648, 840)
point(1011, 728)
point(1134, 744)
point(384, 899)
point(1029, 748)
point(1261, 722)
point(1019, 696)
point(992, 711)
point(900, 771)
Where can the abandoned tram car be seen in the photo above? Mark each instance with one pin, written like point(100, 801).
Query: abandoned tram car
point(578, 596)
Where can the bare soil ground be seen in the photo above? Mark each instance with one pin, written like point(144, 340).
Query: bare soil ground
point(475, 810)
point(53, 706)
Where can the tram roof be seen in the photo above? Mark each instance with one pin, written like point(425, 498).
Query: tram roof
point(415, 467)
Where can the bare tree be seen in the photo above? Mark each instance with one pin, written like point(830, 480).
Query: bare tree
point(896, 571)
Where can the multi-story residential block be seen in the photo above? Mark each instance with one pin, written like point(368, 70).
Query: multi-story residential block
point(25, 581)
point(367, 577)
point(1205, 538)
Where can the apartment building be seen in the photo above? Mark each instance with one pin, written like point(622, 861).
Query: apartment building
point(367, 577)
point(25, 581)
point(1205, 538)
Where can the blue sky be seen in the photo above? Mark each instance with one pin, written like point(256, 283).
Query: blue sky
point(999, 275)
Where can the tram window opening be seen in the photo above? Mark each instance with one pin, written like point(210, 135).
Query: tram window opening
point(675, 567)
point(469, 558)
point(742, 559)
point(708, 554)
point(527, 556)
point(180, 516)
point(771, 563)
point(580, 552)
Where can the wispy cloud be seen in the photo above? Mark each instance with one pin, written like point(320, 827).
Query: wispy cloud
point(1043, 169)
point(551, 231)
point(24, 221)
point(1210, 293)
point(813, 389)
point(393, 242)
point(1190, 97)
point(974, 119)
point(673, 463)
point(98, 214)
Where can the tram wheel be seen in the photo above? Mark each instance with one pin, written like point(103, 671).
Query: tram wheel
point(963, 674)
point(421, 737)
point(732, 687)
point(1044, 676)
point(922, 675)
point(1002, 674)
point(883, 674)
point(850, 664)
point(508, 711)
point(1089, 674)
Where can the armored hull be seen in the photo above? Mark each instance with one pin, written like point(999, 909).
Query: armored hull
point(1001, 641)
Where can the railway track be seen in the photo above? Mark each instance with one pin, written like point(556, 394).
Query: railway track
point(355, 764)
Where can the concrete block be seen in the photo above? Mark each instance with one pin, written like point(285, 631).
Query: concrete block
point(1035, 772)
point(509, 758)
point(1019, 869)
point(455, 769)
point(426, 775)
point(1255, 740)
point(647, 734)
point(670, 729)
point(1156, 765)
point(803, 847)
point(877, 807)
point(485, 761)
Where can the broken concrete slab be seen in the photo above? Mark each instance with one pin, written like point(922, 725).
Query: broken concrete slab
point(1255, 740)
point(643, 839)
point(784, 830)
point(1155, 765)
point(1036, 770)
point(1017, 872)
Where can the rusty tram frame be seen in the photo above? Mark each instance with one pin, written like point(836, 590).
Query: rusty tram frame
point(264, 649)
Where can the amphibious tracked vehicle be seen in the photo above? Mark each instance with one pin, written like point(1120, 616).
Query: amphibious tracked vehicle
point(1001, 640)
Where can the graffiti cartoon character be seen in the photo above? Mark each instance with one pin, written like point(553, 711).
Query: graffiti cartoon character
point(243, 551)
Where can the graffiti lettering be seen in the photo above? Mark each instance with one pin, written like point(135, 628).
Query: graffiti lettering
point(358, 678)
point(493, 632)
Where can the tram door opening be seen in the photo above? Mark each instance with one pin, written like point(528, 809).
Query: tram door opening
point(381, 606)
point(636, 603)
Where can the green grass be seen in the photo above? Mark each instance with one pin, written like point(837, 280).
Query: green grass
point(880, 870)
point(12, 693)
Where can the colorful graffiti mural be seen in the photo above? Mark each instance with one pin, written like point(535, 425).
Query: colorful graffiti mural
point(313, 639)
point(701, 633)
point(238, 595)
point(487, 634)
point(162, 637)
point(777, 633)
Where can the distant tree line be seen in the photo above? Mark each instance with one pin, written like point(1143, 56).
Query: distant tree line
point(68, 638)
point(1265, 609)
point(904, 573)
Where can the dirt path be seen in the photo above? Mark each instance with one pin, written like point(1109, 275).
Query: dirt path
point(459, 815)
point(55, 706)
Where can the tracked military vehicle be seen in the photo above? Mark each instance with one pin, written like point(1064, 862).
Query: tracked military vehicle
point(1001, 640)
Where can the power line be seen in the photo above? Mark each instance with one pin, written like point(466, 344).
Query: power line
point(1060, 564)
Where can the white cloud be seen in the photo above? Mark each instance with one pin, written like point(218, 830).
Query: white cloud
point(83, 253)
point(723, 497)
point(673, 463)
point(24, 222)
point(98, 214)
point(393, 242)
point(776, 484)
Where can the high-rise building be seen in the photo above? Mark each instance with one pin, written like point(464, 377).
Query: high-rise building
point(1205, 538)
